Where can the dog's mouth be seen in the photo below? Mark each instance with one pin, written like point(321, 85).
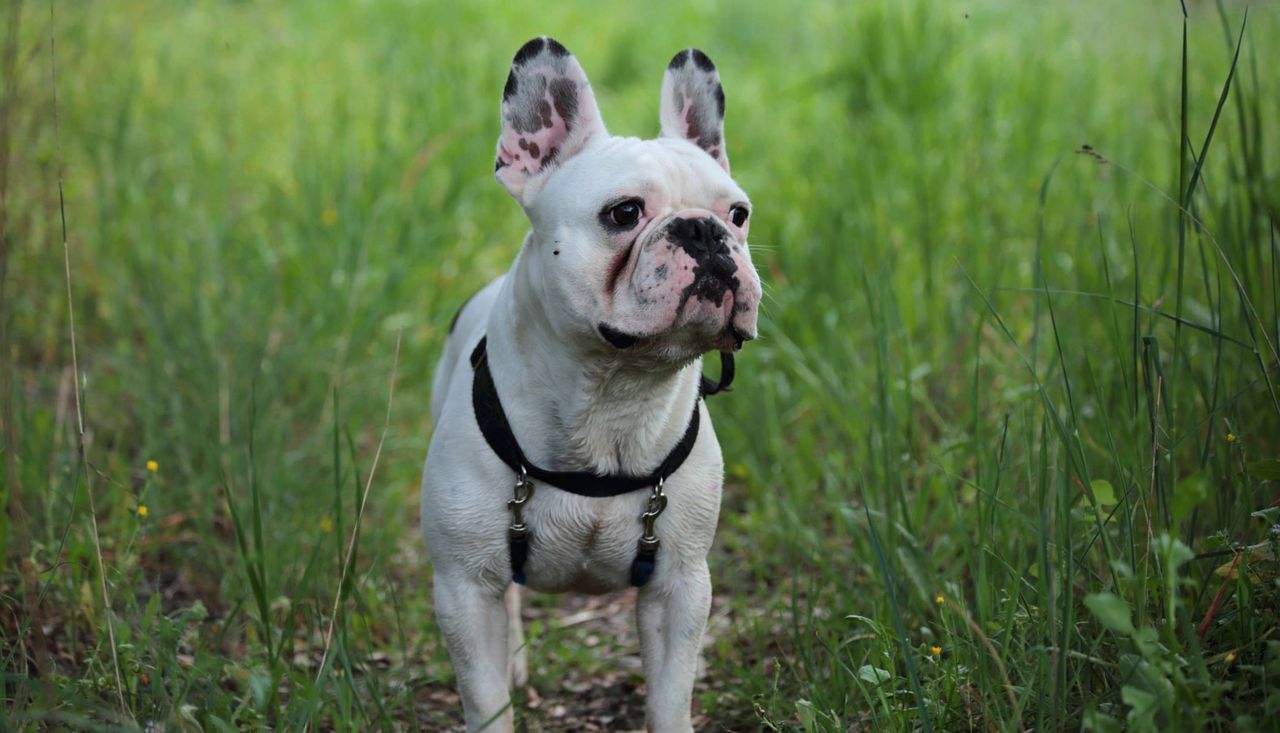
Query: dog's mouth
point(728, 340)
point(732, 339)
point(617, 339)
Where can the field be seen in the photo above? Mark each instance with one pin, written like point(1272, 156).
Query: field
point(1006, 456)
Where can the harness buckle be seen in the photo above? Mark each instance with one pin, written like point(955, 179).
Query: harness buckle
point(657, 505)
point(647, 550)
point(521, 493)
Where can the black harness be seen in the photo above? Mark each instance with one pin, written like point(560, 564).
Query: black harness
point(497, 433)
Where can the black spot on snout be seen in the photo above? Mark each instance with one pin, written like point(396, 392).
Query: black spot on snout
point(511, 86)
point(711, 280)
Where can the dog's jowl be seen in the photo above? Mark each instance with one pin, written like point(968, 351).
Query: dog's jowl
point(573, 450)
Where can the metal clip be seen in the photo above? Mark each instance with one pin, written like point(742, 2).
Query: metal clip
point(657, 504)
point(520, 495)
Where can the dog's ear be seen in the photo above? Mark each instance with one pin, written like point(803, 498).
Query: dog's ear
point(692, 105)
point(548, 115)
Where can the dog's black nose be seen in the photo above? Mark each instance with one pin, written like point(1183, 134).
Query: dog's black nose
point(707, 242)
point(700, 238)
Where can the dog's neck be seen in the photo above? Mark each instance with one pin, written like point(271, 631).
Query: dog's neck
point(583, 406)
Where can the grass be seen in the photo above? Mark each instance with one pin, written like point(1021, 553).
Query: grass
point(1005, 458)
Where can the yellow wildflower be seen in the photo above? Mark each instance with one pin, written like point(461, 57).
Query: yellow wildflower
point(1231, 437)
point(938, 599)
point(1231, 657)
point(152, 466)
point(142, 511)
point(326, 525)
point(935, 651)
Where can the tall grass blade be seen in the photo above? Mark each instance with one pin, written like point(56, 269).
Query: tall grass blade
point(85, 468)
point(900, 628)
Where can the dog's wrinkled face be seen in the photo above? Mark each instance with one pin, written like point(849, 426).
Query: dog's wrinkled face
point(638, 244)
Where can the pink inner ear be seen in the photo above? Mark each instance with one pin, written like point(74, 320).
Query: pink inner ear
point(683, 115)
point(529, 152)
point(686, 127)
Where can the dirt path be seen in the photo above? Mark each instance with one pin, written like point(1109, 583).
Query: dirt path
point(605, 692)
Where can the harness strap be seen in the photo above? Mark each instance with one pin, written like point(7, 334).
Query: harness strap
point(493, 423)
point(496, 428)
point(710, 386)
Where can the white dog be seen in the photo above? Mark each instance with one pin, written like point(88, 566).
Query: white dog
point(576, 379)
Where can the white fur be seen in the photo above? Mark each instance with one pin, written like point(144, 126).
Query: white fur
point(575, 402)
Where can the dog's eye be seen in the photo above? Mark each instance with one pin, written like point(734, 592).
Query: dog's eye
point(738, 215)
point(624, 214)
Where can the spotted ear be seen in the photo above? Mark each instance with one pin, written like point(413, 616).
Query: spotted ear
point(548, 115)
point(692, 105)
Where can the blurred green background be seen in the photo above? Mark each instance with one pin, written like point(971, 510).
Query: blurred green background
point(1007, 440)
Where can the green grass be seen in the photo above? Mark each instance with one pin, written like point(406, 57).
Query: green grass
point(1009, 436)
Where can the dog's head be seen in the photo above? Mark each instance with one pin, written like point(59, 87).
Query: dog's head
point(637, 244)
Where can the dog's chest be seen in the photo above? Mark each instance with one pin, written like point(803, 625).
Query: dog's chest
point(581, 543)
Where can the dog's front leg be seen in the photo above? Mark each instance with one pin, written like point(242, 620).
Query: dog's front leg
point(672, 618)
point(473, 619)
point(518, 659)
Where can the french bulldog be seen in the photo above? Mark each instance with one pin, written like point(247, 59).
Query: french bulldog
point(590, 347)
